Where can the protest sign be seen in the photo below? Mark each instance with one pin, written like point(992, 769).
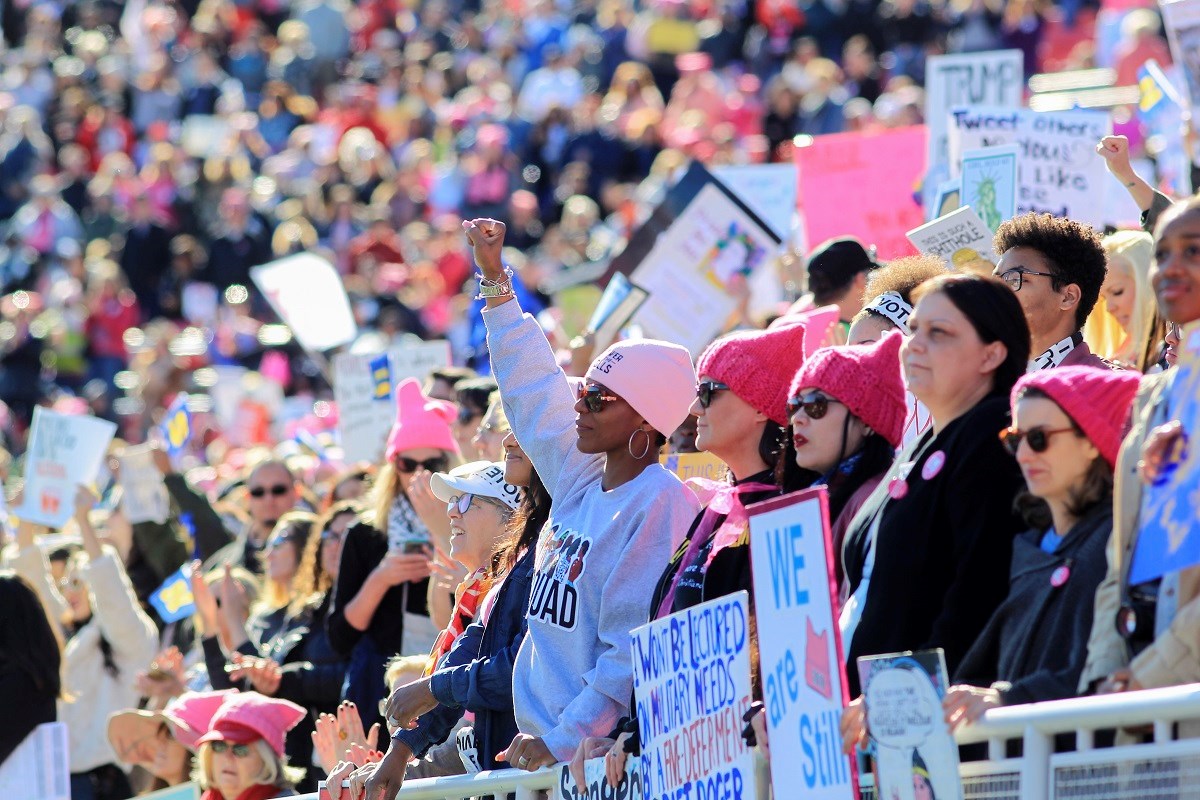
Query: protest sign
point(38, 769)
point(143, 493)
point(364, 421)
point(910, 739)
point(1161, 109)
point(65, 452)
point(863, 184)
point(769, 189)
point(691, 684)
point(620, 301)
point(695, 465)
point(1182, 20)
point(989, 183)
point(995, 78)
point(960, 238)
point(307, 293)
point(596, 783)
point(184, 791)
point(1058, 168)
point(949, 197)
point(1169, 539)
point(799, 642)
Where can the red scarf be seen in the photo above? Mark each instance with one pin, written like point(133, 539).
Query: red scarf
point(258, 792)
point(470, 591)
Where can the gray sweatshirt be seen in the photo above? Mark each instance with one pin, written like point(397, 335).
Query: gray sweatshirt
point(597, 558)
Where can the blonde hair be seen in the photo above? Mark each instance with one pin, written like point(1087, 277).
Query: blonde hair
point(275, 771)
point(402, 670)
point(1101, 330)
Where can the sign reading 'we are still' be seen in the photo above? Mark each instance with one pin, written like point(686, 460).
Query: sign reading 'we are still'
point(691, 683)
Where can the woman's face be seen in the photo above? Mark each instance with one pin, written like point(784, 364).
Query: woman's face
point(727, 424)
point(171, 759)
point(1052, 475)
point(488, 442)
point(234, 773)
point(1175, 273)
point(818, 441)
point(1119, 291)
point(944, 359)
point(609, 429)
point(75, 591)
point(283, 558)
point(418, 455)
point(868, 329)
point(518, 469)
point(922, 790)
point(476, 531)
point(331, 542)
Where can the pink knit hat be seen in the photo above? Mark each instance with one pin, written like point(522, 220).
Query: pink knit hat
point(250, 716)
point(1097, 400)
point(132, 733)
point(866, 378)
point(420, 421)
point(656, 378)
point(757, 365)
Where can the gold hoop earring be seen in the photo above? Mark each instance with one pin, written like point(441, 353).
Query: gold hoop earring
point(645, 450)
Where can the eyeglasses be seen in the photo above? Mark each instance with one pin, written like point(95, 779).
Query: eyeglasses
point(594, 397)
point(239, 750)
point(463, 502)
point(279, 490)
point(1015, 278)
point(705, 391)
point(410, 465)
point(815, 405)
point(1038, 438)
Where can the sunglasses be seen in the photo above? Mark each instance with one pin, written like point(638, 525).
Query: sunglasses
point(410, 465)
point(279, 490)
point(463, 502)
point(815, 405)
point(594, 398)
point(239, 750)
point(1038, 438)
point(705, 391)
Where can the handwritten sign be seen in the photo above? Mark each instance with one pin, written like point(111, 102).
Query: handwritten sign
point(1058, 171)
point(307, 293)
point(863, 184)
point(65, 452)
point(364, 421)
point(695, 465)
point(691, 684)
point(597, 785)
point(799, 643)
point(143, 494)
point(960, 238)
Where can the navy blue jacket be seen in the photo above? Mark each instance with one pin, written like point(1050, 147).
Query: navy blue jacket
point(476, 675)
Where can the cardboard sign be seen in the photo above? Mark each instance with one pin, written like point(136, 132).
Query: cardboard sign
point(364, 421)
point(1168, 537)
point(144, 495)
point(863, 184)
point(910, 740)
point(960, 238)
point(1059, 170)
point(1182, 20)
point(695, 465)
point(804, 685)
point(597, 785)
point(691, 683)
point(38, 769)
point(769, 189)
point(995, 78)
point(989, 183)
point(64, 453)
point(307, 293)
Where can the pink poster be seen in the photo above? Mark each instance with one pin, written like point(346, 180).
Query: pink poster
point(864, 185)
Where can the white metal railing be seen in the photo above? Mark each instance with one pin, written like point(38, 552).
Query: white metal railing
point(1141, 771)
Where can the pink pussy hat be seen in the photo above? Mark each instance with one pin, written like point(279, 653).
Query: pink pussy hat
point(757, 366)
point(656, 378)
point(421, 421)
point(249, 716)
point(1097, 400)
point(132, 733)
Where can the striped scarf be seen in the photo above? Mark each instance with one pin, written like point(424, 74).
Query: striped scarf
point(466, 603)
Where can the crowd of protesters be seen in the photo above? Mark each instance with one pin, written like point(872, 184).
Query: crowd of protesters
point(983, 438)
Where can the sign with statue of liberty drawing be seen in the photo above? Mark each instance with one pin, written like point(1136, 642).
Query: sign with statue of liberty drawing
point(1058, 170)
point(989, 183)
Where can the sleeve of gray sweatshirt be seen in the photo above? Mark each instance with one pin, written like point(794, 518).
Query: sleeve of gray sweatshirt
point(537, 399)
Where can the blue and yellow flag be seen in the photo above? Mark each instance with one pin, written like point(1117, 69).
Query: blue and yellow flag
point(1158, 96)
point(177, 426)
point(381, 374)
point(173, 600)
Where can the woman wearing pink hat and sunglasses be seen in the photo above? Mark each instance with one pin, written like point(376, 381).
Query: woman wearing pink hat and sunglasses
point(164, 742)
point(241, 755)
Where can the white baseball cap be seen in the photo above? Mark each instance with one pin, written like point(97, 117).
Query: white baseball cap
point(481, 478)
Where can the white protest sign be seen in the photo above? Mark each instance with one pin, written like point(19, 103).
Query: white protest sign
point(691, 684)
point(1182, 18)
point(143, 493)
point(960, 238)
point(769, 190)
point(65, 452)
point(799, 645)
point(38, 769)
point(307, 293)
point(364, 422)
point(596, 783)
point(1059, 170)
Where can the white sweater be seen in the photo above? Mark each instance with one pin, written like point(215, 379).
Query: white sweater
point(134, 640)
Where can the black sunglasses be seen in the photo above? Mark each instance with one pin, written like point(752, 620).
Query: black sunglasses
point(705, 391)
point(239, 750)
point(410, 465)
point(278, 490)
point(594, 398)
point(1038, 438)
point(815, 405)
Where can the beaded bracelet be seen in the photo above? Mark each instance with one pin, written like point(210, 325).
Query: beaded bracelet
point(489, 288)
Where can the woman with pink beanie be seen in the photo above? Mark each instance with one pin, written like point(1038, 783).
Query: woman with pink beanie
point(846, 407)
point(380, 604)
point(1066, 432)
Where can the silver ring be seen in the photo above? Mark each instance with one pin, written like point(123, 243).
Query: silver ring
point(523, 761)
